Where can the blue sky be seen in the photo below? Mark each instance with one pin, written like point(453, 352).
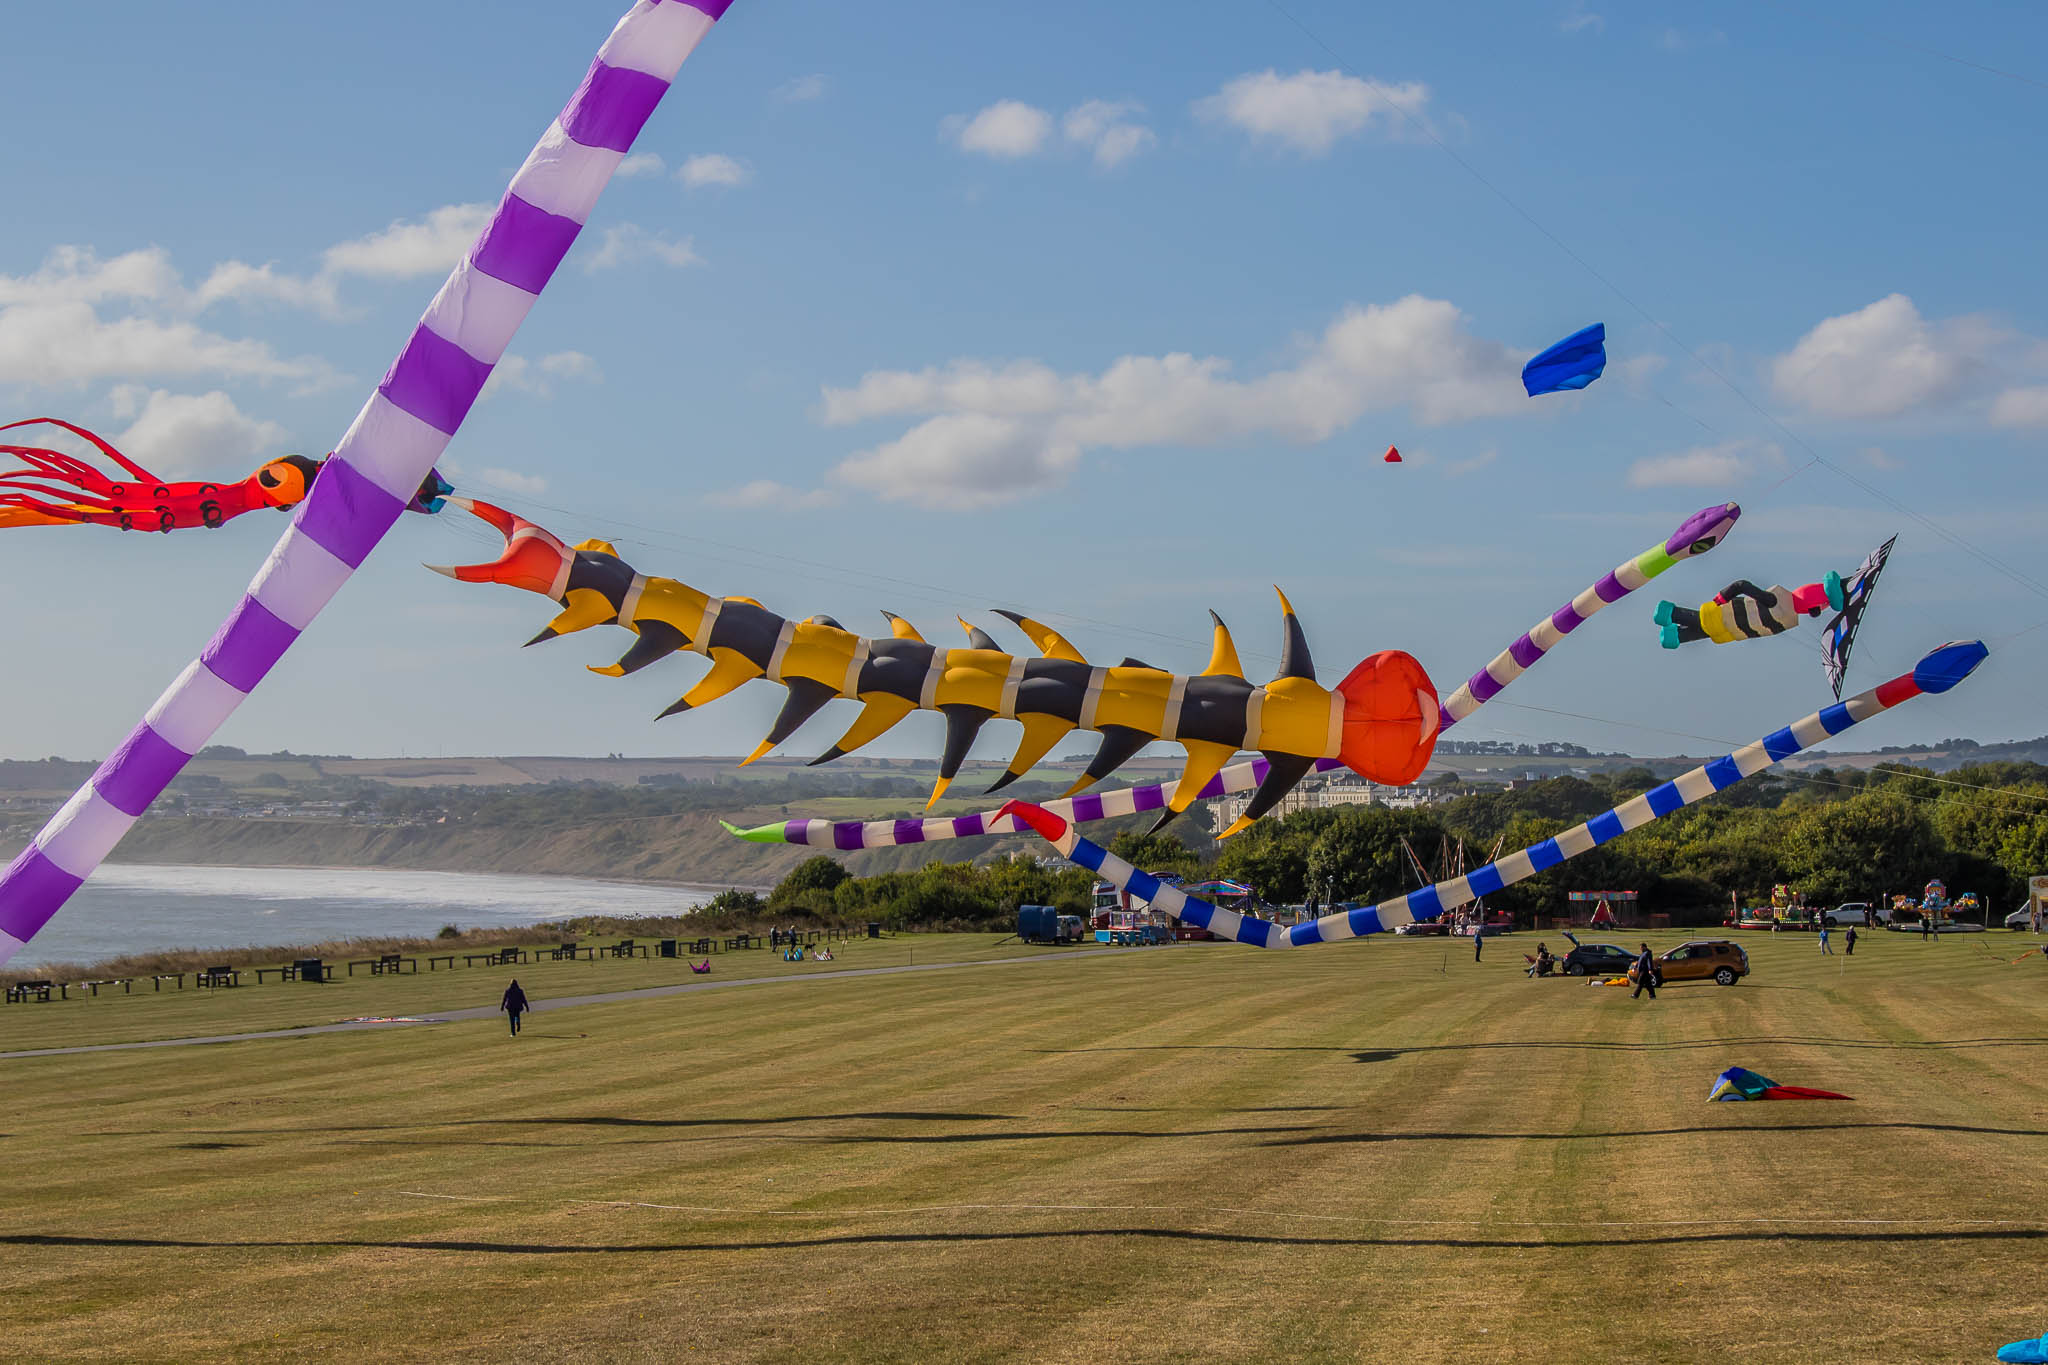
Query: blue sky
point(1103, 312)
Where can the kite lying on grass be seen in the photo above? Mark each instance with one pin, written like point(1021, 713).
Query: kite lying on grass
point(2032, 1351)
point(1938, 672)
point(1381, 721)
point(1738, 1084)
point(50, 488)
point(1695, 536)
point(1743, 611)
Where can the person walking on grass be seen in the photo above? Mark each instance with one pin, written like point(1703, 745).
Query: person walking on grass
point(1825, 951)
point(1478, 940)
point(1849, 941)
point(1646, 974)
point(514, 1004)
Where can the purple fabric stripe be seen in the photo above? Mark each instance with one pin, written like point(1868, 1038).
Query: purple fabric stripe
point(1088, 807)
point(36, 889)
point(966, 826)
point(247, 645)
point(907, 831)
point(1567, 619)
point(136, 773)
point(715, 8)
point(609, 107)
point(1525, 651)
point(1260, 767)
point(1444, 719)
point(1609, 589)
point(1484, 688)
point(346, 514)
point(1149, 798)
point(1213, 787)
point(847, 836)
point(794, 831)
point(524, 244)
point(434, 379)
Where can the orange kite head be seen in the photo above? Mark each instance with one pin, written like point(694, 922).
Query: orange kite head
point(1391, 718)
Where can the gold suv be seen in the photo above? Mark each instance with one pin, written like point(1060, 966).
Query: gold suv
point(1703, 959)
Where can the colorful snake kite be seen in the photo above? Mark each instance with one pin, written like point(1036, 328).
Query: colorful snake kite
point(1938, 672)
point(50, 488)
point(1697, 535)
point(377, 469)
point(1743, 611)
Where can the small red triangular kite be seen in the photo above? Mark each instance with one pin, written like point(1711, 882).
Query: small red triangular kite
point(1393, 455)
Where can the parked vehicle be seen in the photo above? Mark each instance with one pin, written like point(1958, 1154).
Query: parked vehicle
point(1072, 928)
point(1597, 959)
point(1424, 928)
point(2022, 918)
point(1858, 913)
point(1703, 959)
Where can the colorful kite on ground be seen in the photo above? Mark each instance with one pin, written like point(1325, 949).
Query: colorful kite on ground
point(1571, 364)
point(1380, 721)
point(1743, 611)
point(1738, 1084)
point(2032, 1351)
point(1695, 536)
point(377, 469)
point(1938, 672)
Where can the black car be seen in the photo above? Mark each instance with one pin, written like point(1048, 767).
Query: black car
point(1596, 959)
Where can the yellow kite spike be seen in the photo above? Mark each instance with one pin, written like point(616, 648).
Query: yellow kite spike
point(902, 629)
point(1041, 732)
point(879, 713)
point(729, 670)
point(585, 607)
point(1205, 760)
point(1222, 653)
point(748, 600)
point(603, 547)
point(1286, 606)
point(760, 751)
point(1050, 642)
point(1081, 784)
point(938, 790)
point(1237, 826)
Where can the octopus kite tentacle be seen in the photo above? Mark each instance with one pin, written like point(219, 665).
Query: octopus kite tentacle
point(1698, 534)
point(1937, 672)
point(51, 488)
point(1380, 721)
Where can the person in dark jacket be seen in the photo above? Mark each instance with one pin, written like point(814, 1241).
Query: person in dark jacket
point(1646, 974)
point(514, 1004)
point(1849, 941)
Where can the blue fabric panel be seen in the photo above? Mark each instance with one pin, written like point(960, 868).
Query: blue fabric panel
point(1424, 904)
point(1665, 799)
point(1835, 719)
point(1144, 886)
point(1571, 364)
point(1254, 932)
point(1197, 913)
point(1604, 827)
point(1780, 744)
point(1366, 921)
point(1722, 772)
point(1545, 854)
point(1485, 881)
point(1088, 854)
point(1306, 933)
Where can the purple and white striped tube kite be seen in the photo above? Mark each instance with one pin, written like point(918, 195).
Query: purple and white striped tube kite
point(1938, 672)
point(1696, 535)
point(379, 464)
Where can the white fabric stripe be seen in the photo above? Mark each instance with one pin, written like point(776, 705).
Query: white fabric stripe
point(480, 312)
point(1751, 758)
point(817, 831)
point(1515, 867)
point(82, 833)
point(1574, 841)
point(1545, 635)
point(298, 579)
point(1012, 680)
point(928, 694)
point(1587, 602)
point(1123, 802)
point(1634, 812)
point(1395, 913)
point(1333, 742)
point(655, 38)
point(1254, 720)
point(700, 638)
point(1502, 668)
point(881, 834)
point(10, 945)
point(564, 177)
point(1808, 730)
point(559, 584)
point(1694, 785)
point(1092, 698)
point(1863, 706)
point(1630, 576)
point(631, 603)
point(1454, 893)
point(1335, 926)
point(390, 447)
point(1171, 900)
point(782, 639)
point(192, 708)
point(1114, 869)
point(851, 687)
point(1169, 722)
point(1228, 923)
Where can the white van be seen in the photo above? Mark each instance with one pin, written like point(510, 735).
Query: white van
point(1856, 913)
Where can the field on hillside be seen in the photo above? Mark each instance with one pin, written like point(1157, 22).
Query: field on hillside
point(1376, 1151)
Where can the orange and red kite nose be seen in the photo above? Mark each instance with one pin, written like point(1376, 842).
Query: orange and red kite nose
point(1391, 718)
point(534, 559)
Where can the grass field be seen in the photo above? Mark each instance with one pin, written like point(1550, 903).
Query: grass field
point(1378, 1151)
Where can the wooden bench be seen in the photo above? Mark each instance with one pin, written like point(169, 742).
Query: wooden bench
point(157, 981)
point(699, 946)
point(385, 962)
point(566, 950)
point(126, 983)
point(217, 976)
point(291, 971)
point(626, 947)
point(20, 991)
point(739, 941)
point(497, 957)
point(448, 958)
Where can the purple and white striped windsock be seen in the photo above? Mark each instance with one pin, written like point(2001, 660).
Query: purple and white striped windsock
point(379, 464)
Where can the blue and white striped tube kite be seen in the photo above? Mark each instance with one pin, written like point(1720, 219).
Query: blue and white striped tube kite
point(377, 468)
point(1938, 672)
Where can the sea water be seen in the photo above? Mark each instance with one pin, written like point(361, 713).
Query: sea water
point(135, 907)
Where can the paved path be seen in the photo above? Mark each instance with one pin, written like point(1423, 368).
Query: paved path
point(567, 1002)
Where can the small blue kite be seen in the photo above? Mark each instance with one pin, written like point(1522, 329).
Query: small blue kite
point(1571, 364)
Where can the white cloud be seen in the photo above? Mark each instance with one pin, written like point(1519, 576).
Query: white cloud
point(1107, 129)
point(1581, 20)
point(172, 434)
point(54, 345)
point(512, 481)
point(712, 168)
point(1310, 110)
point(1880, 361)
point(1714, 466)
point(1458, 469)
point(2023, 407)
point(76, 274)
point(1007, 129)
point(629, 242)
point(517, 373)
point(766, 493)
point(802, 89)
point(641, 164)
point(992, 433)
point(1877, 457)
point(407, 250)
